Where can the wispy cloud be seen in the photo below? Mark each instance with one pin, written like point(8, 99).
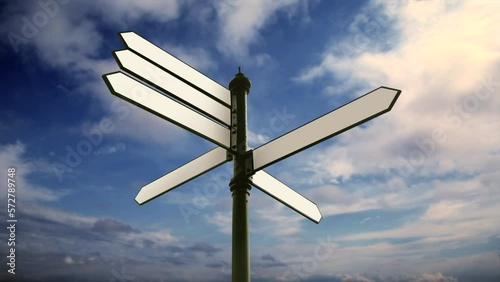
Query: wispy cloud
point(239, 31)
point(15, 156)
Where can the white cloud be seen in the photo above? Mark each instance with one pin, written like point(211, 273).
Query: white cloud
point(71, 42)
point(256, 139)
point(365, 220)
point(198, 58)
point(444, 211)
point(458, 209)
point(330, 194)
point(64, 44)
point(445, 221)
point(110, 149)
point(240, 22)
point(60, 216)
point(223, 220)
point(445, 62)
point(157, 10)
point(277, 220)
point(161, 238)
point(445, 120)
point(13, 156)
point(69, 260)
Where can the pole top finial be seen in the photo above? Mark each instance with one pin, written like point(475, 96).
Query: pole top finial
point(239, 73)
point(240, 80)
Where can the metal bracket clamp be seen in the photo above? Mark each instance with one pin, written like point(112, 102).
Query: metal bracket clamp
point(229, 155)
point(249, 170)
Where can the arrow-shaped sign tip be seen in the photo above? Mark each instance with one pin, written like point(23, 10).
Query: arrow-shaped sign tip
point(286, 195)
point(138, 199)
point(124, 35)
point(396, 95)
point(107, 80)
point(144, 197)
point(314, 214)
point(318, 217)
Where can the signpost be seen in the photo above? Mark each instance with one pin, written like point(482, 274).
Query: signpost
point(159, 83)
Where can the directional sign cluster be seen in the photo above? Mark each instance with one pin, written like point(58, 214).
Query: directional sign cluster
point(158, 82)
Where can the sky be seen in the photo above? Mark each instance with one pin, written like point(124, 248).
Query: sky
point(412, 195)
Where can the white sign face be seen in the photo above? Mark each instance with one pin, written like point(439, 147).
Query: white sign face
point(150, 73)
point(164, 107)
point(165, 60)
point(276, 189)
point(364, 108)
point(182, 175)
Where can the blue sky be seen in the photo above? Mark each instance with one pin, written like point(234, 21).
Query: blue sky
point(410, 196)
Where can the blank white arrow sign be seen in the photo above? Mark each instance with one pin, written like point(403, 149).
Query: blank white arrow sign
point(182, 70)
point(276, 189)
point(164, 107)
point(366, 107)
point(182, 175)
point(167, 82)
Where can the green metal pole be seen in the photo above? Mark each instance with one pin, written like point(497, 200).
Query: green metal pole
point(240, 184)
